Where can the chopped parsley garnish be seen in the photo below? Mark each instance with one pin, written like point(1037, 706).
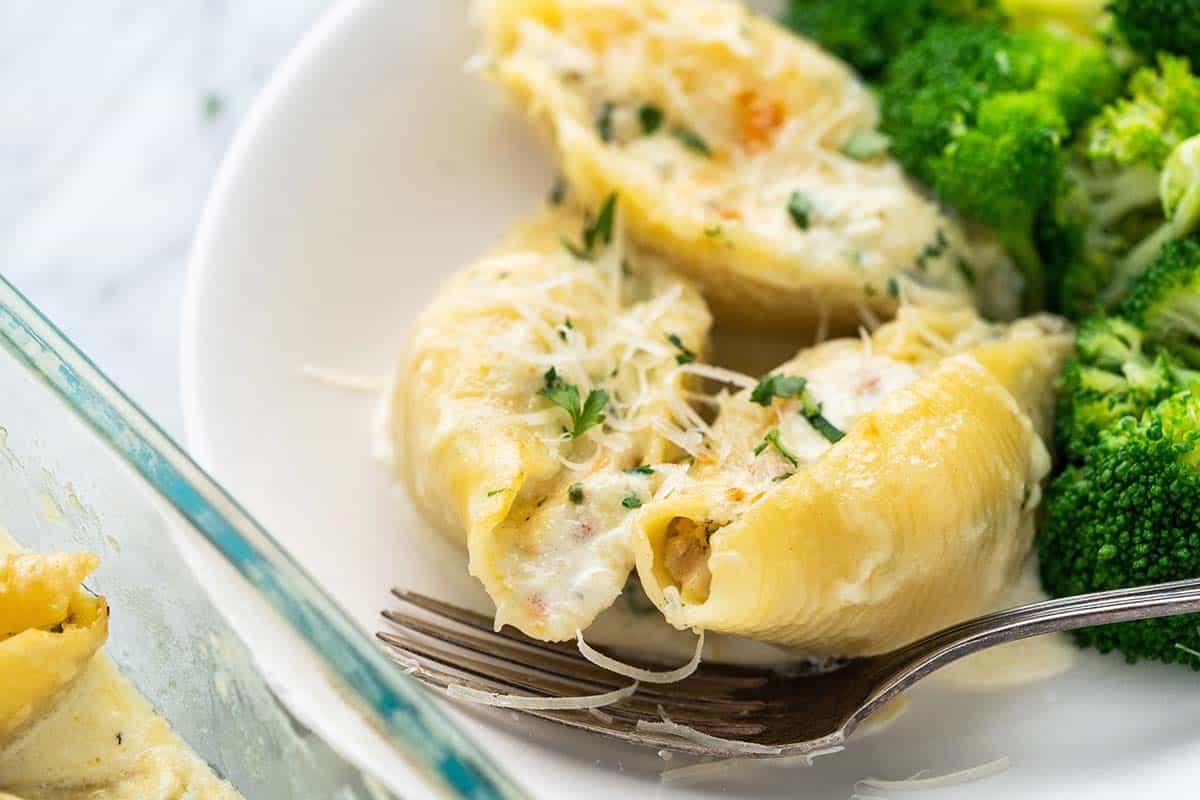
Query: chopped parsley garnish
point(772, 440)
point(595, 231)
point(631, 500)
point(575, 493)
point(789, 386)
point(783, 476)
point(685, 355)
point(604, 122)
point(825, 427)
point(566, 326)
point(495, 492)
point(778, 385)
point(651, 118)
point(643, 469)
point(893, 286)
point(799, 208)
point(691, 140)
point(932, 250)
point(566, 397)
point(713, 230)
point(865, 145)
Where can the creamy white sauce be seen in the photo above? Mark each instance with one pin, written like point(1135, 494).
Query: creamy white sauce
point(571, 559)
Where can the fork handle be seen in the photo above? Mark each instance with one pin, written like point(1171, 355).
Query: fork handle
point(1062, 614)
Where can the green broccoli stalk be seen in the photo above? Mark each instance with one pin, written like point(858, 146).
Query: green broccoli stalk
point(869, 33)
point(1151, 26)
point(1134, 185)
point(981, 115)
point(1126, 510)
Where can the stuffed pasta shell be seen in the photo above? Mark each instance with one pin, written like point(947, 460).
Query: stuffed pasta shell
point(537, 392)
point(747, 154)
point(867, 492)
point(50, 628)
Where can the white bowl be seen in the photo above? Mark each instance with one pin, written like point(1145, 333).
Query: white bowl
point(372, 168)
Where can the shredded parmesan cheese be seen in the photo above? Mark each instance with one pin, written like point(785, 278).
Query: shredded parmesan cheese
point(939, 781)
point(637, 673)
point(700, 737)
point(528, 703)
point(727, 766)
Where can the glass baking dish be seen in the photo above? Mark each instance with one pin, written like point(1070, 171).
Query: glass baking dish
point(255, 667)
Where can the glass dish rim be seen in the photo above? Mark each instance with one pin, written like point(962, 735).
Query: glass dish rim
point(392, 700)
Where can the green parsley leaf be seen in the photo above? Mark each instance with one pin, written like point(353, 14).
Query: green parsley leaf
point(778, 385)
point(799, 208)
point(575, 249)
point(595, 231)
point(825, 428)
point(495, 492)
point(691, 140)
point(788, 386)
point(713, 231)
point(685, 355)
point(604, 122)
point(783, 476)
point(865, 145)
point(772, 440)
point(575, 493)
point(651, 117)
point(811, 410)
point(893, 286)
point(631, 500)
point(566, 396)
point(600, 231)
point(643, 469)
point(566, 326)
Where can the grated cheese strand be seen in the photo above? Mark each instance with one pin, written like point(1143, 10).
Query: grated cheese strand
point(724, 767)
point(700, 737)
point(528, 703)
point(975, 773)
point(637, 673)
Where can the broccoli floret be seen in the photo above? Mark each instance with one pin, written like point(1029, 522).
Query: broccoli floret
point(1129, 515)
point(981, 114)
point(1151, 26)
point(1133, 185)
point(1126, 510)
point(1160, 110)
point(1111, 376)
point(869, 33)
point(1165, 301)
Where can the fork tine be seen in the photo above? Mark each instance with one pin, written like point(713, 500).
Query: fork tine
point(507, 648)
point(618, 721)
point(698, 688)
point(728, 717)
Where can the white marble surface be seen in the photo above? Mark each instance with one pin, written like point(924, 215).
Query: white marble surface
point(117, 114)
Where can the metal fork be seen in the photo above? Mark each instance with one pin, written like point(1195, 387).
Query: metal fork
point(792, 712)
